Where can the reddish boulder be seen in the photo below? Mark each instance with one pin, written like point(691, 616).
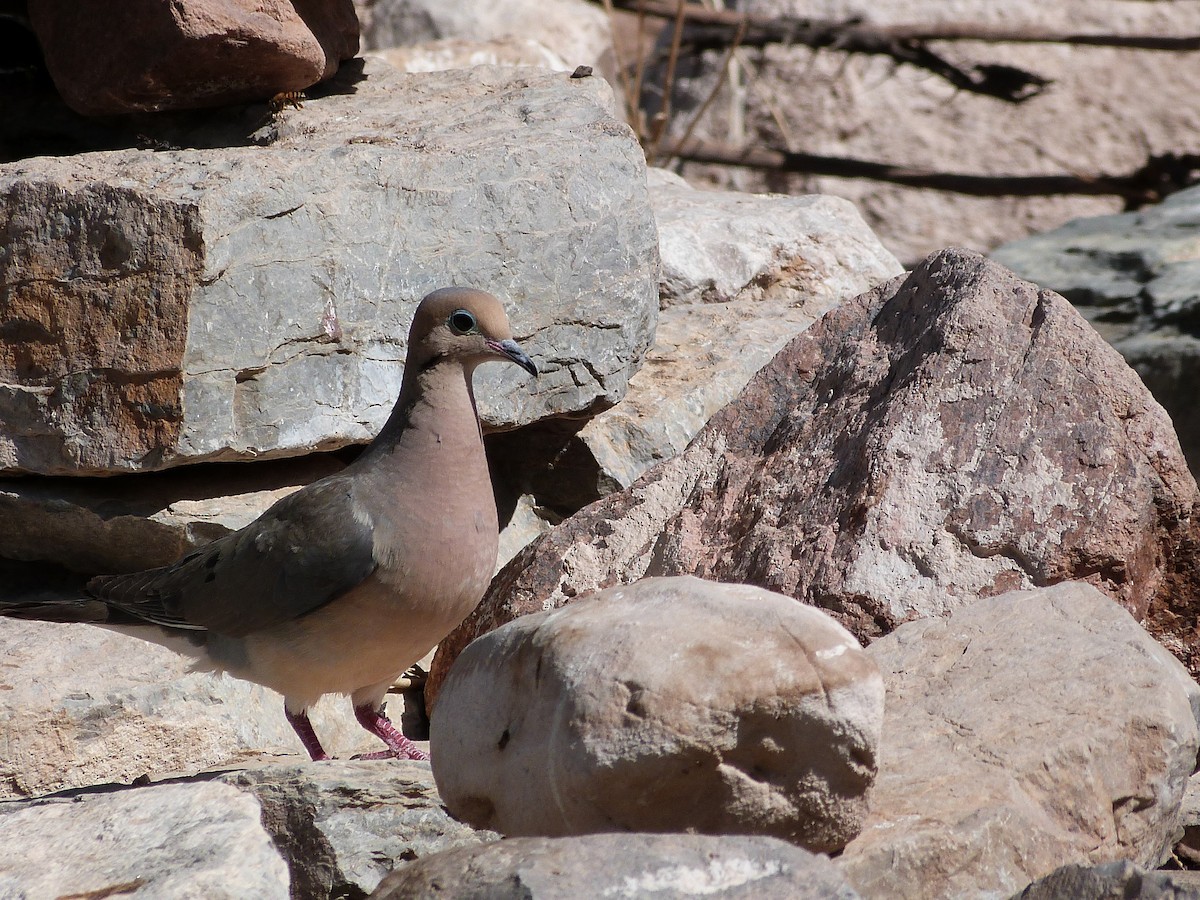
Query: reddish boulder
point(954, 433)
point(147, 55)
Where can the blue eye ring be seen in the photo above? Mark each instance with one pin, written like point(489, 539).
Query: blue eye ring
point(462, 322)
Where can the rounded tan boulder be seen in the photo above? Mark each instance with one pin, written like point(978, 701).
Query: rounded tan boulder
point(670, 704)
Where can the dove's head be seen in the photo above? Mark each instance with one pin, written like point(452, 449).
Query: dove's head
point(463, 324)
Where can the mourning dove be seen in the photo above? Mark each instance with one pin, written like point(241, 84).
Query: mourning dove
point(341, 586)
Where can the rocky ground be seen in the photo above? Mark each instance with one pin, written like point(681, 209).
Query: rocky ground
point(988, 687)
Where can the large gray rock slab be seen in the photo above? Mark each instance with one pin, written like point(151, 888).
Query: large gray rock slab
point(1022, 733)
point(82, 705)
point(248, 302)
point(782, 250)
point(953, 433)
point(667, 866)
point(1136, 278)
point(166, 841)
point(344, 825)
point(1106, 262)
point(762, 718)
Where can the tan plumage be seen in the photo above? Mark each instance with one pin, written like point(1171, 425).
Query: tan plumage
point(341, 586)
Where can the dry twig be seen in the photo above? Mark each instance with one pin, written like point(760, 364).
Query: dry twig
point(1160, 176)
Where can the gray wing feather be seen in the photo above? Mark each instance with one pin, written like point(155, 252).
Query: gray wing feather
point(306, 550)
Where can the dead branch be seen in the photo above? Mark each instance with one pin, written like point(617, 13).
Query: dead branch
point(718, 29)
point(1150, 183)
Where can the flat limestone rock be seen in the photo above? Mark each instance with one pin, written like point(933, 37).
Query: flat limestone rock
point(1022, 733)
point(83, 705)
point(343, 825)
point(622, 865)
point(251, 302)
point(953, 433)
point(672, 704)
point(166, 841)
point(777, 249)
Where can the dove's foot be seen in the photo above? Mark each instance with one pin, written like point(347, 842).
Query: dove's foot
point(414, 753)
point(304, 730)
point(399, 747)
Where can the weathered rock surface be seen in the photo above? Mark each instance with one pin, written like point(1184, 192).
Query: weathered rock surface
point(1023, 732)
point(148, 56)
point(458, 53)
point(342, 826)
point(137, 522)
point(762, 718)
point(787, 262)
point(1096, 117)
point(252, 301)
point(165, 841)
point(718, 246)
point(1136, 278)
point(82, 705)
point(622, 865)
point(575, 30)
point(951, 434)
point(1111, 881)
point(742, 274)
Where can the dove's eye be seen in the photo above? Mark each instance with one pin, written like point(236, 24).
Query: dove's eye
point(462, 322)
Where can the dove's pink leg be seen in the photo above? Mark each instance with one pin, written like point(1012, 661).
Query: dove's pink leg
point(399, 747)
point(304, 730)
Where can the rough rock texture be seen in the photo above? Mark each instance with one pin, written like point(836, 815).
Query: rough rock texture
point(718, 246)
point(1188, 846)
point(137, 522)
point(1136, 278)
point(742, 274)
point(252, 301)
point(762, 719)
point(342, 826)
point(575, 30)
point(952, 433)
point(82, 705)
point(1120, 880)
point(166, 841)
point(1097, 115)
point(458, 53)
point(622, 866)
point(149, 56)
point(1024, 732)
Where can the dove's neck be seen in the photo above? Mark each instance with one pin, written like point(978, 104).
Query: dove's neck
point(431, 506)
point(434, 416)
